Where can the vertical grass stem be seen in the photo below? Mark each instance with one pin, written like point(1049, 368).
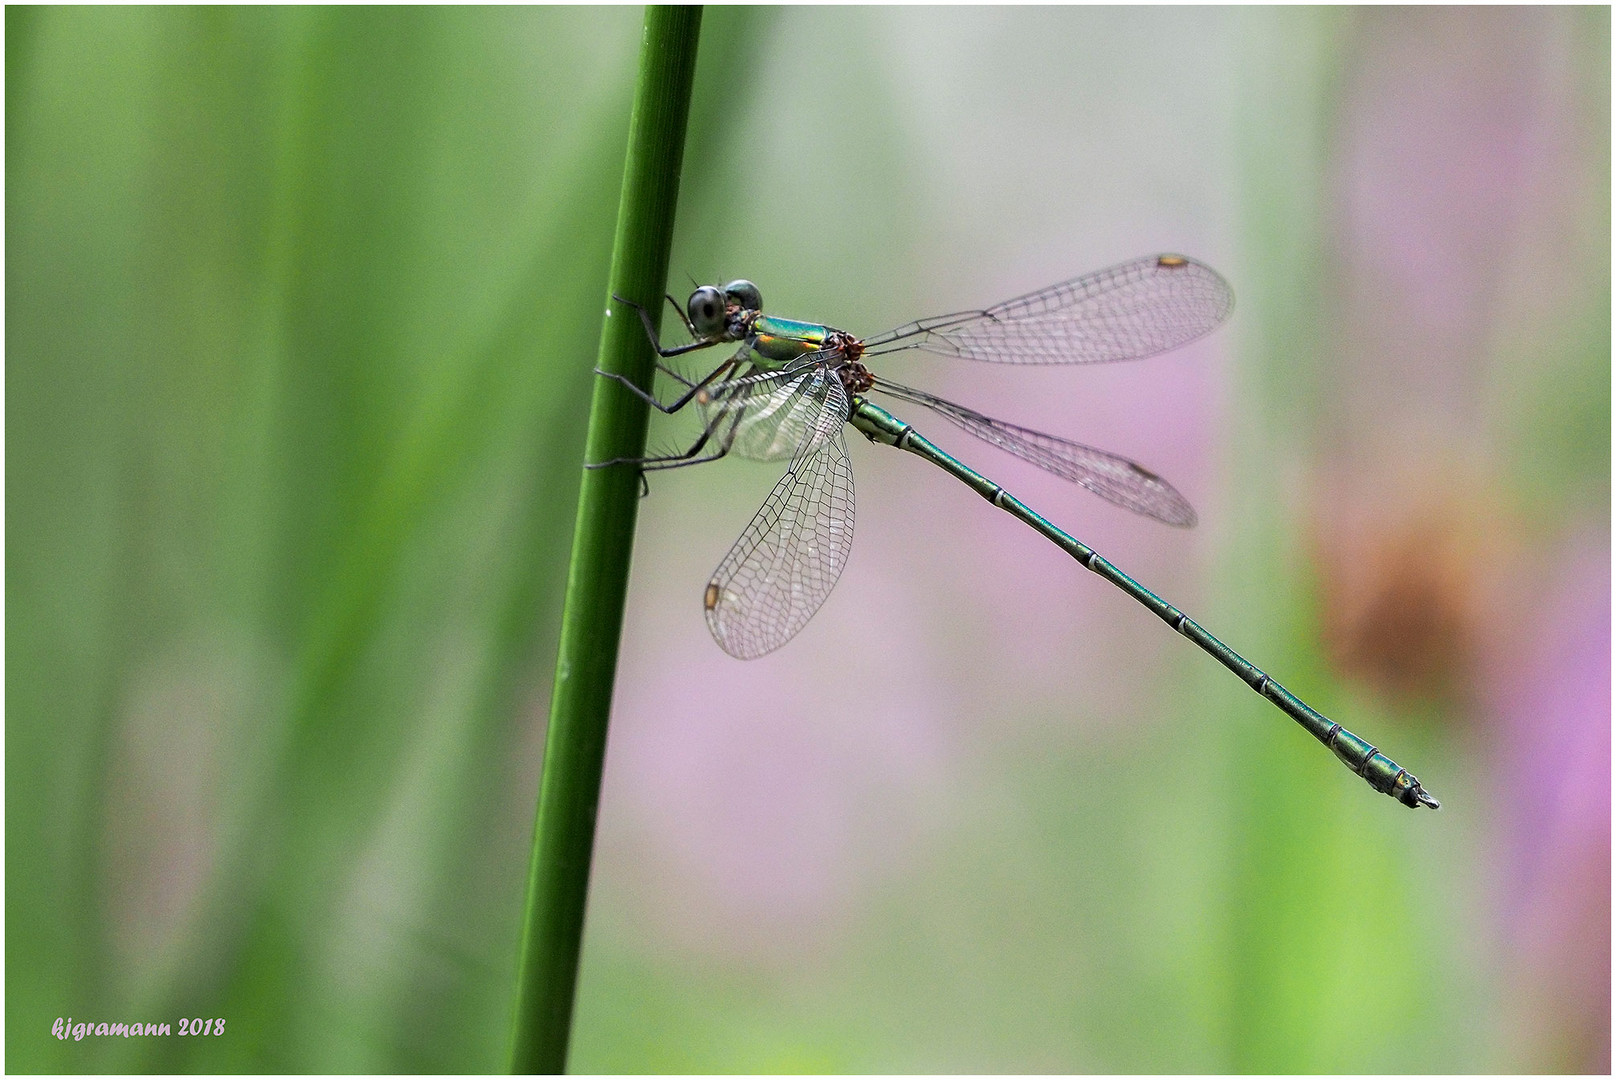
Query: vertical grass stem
point(597, 577)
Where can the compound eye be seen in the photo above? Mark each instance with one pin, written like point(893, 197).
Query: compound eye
point(706, 310)
point(745, 294)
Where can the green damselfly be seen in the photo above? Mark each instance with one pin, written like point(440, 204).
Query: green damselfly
point(790, 388)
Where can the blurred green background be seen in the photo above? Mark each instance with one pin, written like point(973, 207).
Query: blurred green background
point(301, 311)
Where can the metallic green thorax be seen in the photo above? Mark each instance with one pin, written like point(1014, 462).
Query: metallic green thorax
point(1382, 773)
point(777, 342)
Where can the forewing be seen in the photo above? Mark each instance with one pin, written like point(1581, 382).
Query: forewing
point(1125, 312)
point(765, 415)
point(788, 559)
point(1109, 476)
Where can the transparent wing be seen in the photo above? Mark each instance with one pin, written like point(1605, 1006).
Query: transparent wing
point(764, 415)
point(1113, 478)
point(788, 559)
point(1125, 312)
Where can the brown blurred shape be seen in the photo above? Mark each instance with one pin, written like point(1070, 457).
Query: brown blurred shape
point(1411, 586)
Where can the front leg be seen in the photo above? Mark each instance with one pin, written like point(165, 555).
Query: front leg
point(651, 331)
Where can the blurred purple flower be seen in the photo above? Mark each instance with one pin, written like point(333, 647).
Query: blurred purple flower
point(1464, 183)
point(1554, 773)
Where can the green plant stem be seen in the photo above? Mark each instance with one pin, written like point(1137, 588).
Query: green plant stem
point(597, 578)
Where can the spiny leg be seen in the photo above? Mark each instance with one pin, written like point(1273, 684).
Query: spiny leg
point(651, 331)
point(672, 373)
point(726, 441)
point(688, 457)
point(693, 388)
point(685, 399)
point(680, 311)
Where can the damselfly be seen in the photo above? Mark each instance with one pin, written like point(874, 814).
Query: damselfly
point(790, 388)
